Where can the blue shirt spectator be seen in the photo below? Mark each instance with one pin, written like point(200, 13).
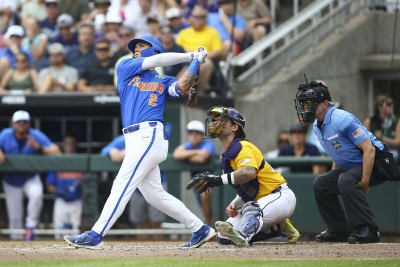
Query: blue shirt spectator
point(309, 150)
point(68, 185)
point(78, 60)
point(214, 20)
point(23, 140)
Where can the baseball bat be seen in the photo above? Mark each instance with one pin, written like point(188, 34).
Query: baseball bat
point(192, 99)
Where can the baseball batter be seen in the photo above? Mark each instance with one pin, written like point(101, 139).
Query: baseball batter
point(263, 196)
point(143, 94)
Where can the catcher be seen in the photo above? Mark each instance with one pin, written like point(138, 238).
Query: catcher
point(263, 197)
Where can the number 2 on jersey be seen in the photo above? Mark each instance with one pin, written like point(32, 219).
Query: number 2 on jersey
point(152, 100)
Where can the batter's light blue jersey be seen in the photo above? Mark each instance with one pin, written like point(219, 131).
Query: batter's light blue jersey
point(11, 146)
point(340, 134)
point(142, 93)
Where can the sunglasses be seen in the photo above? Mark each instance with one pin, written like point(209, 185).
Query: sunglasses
point(21, 60)
point(389, 104)
point(199, 17)
point(126, 35)
point(102, 49)
point(56, 54)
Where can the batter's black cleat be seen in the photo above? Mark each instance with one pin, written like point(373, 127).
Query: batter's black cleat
point(363, 235)
point(326, 236)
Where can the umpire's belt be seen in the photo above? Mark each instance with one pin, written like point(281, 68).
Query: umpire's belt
point(135, 127)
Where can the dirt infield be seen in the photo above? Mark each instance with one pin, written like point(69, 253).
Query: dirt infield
point(16, 251)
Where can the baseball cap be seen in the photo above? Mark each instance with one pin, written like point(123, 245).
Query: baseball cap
point(321, 90)
point(195, 126)
point(297, 128)
point(56, 48)
point(51, 2)
point(113, 17)
point(221, 2)
point(14, 30)
point(64, 19)
point(173, 12)
point(21, 115)
point(99, 2)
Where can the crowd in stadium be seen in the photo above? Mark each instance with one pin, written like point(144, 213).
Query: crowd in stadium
point(73, 45)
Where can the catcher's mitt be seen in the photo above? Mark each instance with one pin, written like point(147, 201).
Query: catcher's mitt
point(201, 182)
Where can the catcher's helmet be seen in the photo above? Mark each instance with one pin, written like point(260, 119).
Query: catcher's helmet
point(223, 114)
point(156, 45)
point(307, 98)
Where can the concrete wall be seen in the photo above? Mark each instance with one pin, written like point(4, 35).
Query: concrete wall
point(270, 108)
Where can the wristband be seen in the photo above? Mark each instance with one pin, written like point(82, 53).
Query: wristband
point(228, 178)
point(194, 66)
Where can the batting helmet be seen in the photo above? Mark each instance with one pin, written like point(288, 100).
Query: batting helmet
point(307, 98)
point(223, 114)
point(156, 45)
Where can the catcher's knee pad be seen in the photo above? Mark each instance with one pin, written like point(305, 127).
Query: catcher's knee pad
point(251, 221)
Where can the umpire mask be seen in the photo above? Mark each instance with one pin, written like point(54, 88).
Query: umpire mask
point(307, 99)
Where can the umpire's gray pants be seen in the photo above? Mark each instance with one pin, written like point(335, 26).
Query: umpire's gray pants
point(327, 188)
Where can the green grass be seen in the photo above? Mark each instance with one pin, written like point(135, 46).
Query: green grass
point(200, 262)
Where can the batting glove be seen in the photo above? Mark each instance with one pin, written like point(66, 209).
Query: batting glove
point(200, 54)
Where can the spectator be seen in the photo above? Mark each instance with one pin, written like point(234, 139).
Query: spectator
point(126, 9)
point(13, 37)
point(49, 25)
point(67, 188)
point(138, 21)
point(34, 41)
point(125, 35)
point(153, 25)
point(175, 19)
point(67, 36)
point(257, 17)
point(141, 213)
point(169, 45)
point(210, 6)
point(80, 55)
point(34, 9)
point(391, 6)
point(98, 75)
point(21, 139)
point(299, 148)
point(111, 29)
point(23, 78)
point(7, 9)
point(201, 34)
point(384, 124)
point(58, 77)
point(98, 16)
point(197, 150)
point(161, 7)
point(223, 22)
point(77, 9)
point(281, 141)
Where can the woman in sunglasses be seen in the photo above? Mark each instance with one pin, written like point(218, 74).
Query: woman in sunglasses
point(22, 78)
point(384, 124)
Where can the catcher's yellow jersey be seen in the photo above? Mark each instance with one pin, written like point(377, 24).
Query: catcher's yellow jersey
point(243, 153)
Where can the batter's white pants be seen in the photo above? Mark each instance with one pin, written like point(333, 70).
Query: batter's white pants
point(275, 207)
point(66, 213)
point(33, 189)
point(145, 149)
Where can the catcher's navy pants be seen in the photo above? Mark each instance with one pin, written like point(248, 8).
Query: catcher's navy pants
point(327, 188)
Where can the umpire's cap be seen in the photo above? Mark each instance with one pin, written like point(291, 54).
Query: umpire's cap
point(153, 41)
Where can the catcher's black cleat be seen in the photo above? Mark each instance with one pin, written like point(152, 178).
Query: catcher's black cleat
point(363, 235)
point(326, 236)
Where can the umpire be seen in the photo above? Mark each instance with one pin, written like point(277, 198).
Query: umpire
point(360, 160)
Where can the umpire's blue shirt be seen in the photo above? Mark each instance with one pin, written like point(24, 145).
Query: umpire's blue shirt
point(340, 134)
point(11, 146)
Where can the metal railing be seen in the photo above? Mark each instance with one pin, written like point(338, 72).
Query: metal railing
point(309, 26)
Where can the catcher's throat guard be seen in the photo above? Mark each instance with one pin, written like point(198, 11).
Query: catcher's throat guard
point(217, 118)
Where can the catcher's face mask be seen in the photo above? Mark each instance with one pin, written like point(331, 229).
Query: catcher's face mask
point(216, 121)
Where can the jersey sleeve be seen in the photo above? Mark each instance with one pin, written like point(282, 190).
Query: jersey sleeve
point(118, 143)
point(42, 139)
point(209, 146)
point(246, 158)
point(354, 130)
point(51, 178)
point(129, 67)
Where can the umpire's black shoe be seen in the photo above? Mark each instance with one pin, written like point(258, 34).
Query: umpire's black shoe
point(364, 234)
point(326, 236)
